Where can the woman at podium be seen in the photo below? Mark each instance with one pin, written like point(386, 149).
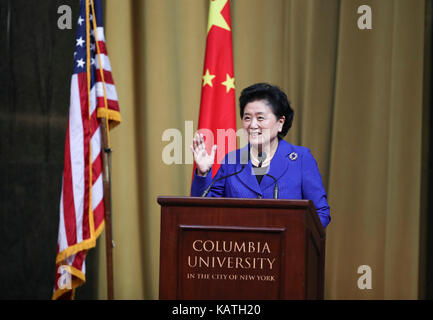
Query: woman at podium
point(268, 167)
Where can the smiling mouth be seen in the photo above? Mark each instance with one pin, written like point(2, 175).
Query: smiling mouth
point(255, 134)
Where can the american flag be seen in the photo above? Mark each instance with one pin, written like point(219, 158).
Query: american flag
point(93, 98)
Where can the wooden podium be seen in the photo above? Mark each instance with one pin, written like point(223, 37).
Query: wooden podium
point(225, 248)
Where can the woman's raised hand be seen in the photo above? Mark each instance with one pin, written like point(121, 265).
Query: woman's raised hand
point(203, 160)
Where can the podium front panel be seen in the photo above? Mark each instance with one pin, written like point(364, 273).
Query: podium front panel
point(230, 262)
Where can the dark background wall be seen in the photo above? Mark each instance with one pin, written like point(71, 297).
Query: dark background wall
point(36, 60)
point(426, 270)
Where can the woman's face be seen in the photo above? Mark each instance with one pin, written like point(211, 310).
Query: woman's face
point(260, 123)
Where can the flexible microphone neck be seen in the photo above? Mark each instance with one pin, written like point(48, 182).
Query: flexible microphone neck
point(275, 186)
point(204, 194)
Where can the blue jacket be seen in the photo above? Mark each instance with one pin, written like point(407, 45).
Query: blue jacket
point(294, 167)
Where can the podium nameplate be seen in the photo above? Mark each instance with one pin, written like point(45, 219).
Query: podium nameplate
point(213, 260)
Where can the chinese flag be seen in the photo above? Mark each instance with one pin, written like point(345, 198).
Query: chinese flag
point(217, 105)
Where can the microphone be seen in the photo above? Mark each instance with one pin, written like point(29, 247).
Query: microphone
point(275, 187)
point(244, 163)
point(261, 157)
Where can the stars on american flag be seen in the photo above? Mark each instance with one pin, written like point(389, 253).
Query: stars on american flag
point(81, 20)
point(80, 63)
point(80, 42)
point(80, 54)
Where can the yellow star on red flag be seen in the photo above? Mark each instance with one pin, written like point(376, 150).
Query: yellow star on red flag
point(229, 83)
point(215, 16)
point(207, 78)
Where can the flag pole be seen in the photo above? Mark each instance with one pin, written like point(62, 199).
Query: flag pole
point(106, 164)
point(109, 243)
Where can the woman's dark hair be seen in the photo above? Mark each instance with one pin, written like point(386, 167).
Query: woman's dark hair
point(274, 97)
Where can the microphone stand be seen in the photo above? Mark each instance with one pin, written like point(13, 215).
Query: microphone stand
point(204, 194)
